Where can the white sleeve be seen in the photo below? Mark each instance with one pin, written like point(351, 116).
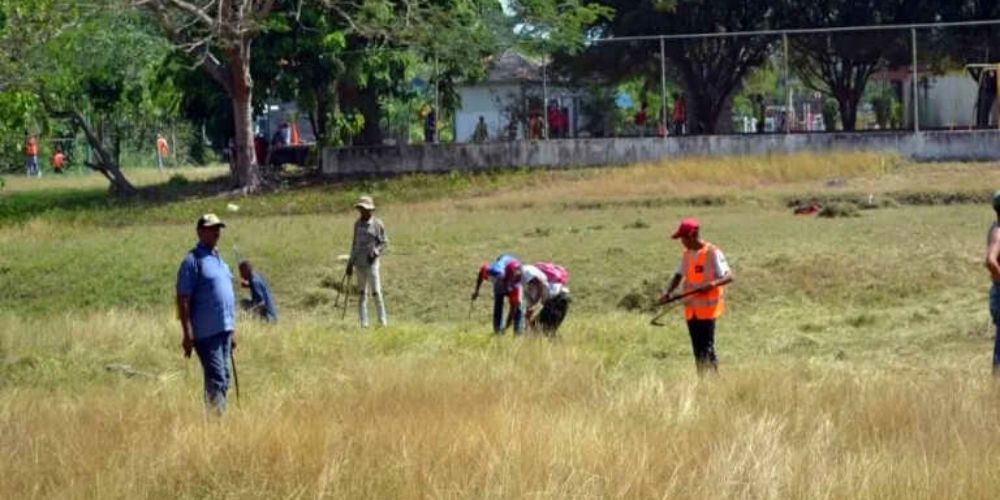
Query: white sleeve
point(721, 266)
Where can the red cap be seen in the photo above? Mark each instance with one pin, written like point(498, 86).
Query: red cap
point(687, 228)
point(512, 267)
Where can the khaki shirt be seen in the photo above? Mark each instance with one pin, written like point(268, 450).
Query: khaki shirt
point(369, 241)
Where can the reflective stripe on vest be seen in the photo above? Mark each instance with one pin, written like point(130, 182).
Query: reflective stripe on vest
point(698, 269)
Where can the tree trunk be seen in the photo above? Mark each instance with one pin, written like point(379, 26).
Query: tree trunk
point(248, 173)
point(371, 135)
point(321, 117)
point(847, 103)
point(104, 160)
point(984, 100)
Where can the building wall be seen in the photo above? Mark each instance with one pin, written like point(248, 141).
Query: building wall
point(569, 153)
point(946, 101)
point(492, 102)
point(483, 101)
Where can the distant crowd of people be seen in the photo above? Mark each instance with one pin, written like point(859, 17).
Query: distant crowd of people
point(559, 125)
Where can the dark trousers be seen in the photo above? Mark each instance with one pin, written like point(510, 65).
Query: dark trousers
point(498, 319)
point(702, 332)
point(214, 353)
point(553, 313)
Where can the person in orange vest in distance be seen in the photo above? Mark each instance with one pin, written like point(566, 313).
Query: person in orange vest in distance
point(31, 157)
point(162, 150)
point(704, 271)
point(58, 160)
point(293, 134)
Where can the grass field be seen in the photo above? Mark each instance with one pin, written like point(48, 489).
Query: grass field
point(854, 356)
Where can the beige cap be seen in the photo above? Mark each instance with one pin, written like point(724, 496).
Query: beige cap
point(365, 202)
point(210, 220)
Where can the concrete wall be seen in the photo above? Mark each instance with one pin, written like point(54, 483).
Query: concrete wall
point(388, 161)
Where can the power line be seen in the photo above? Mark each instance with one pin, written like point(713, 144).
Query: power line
point(799, 31)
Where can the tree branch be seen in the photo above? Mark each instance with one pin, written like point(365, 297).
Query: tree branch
point(198, 13)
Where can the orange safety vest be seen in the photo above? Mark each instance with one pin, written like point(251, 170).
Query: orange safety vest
point(162, 148)
point(31, 148)
point(294, 139)
point(698, 269)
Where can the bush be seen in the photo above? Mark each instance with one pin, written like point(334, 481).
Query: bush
point(840, 209)
point(178, 181)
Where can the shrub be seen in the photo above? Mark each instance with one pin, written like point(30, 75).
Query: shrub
point(840, 209)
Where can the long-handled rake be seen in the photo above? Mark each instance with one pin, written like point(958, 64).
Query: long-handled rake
point(236, 378)
point(342, 292)
point(656, 321)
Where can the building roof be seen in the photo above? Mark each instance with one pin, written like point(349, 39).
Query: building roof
point(511, 66)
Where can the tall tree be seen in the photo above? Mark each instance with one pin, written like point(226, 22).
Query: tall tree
point(92, 64)
point(711, 69)
point(229, 27)
point(339, 63)
point(841, 64)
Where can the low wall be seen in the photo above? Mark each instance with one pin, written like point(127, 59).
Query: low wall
point(566, 153)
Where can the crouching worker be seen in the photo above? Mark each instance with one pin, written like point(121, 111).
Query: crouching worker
point(502, 289)
point(260, 303)
point(544, 285)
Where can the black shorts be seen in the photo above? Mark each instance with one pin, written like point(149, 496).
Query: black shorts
point(553, 313)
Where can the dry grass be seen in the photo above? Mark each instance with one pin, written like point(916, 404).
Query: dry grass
point(854, 356)
point(93, 180)
point(453, 416)
point(694, 177)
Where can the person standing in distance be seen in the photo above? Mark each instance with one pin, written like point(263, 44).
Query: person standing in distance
point(992, 254)
point(704, 271)
point(370, 242)
point(206, 308)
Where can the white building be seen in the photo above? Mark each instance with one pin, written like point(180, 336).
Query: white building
point(945, 101)
point(513, 90)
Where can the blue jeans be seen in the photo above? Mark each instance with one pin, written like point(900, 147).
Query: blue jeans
point(995, 314)
point(31, 166)
point(214, 353)
point(498, 317)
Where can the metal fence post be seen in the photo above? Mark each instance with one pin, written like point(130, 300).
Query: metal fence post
point(788, 87)
point(663, 86)
point(915, 90)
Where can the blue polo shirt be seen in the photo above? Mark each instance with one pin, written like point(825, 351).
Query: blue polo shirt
point(260, 293)
point(205, 278)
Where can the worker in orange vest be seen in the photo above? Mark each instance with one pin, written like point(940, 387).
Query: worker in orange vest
point(704, 271)
point(31, 156)
point(162, 150)
point(58, 160)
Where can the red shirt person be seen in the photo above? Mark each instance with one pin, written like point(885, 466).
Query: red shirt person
point(680, 114)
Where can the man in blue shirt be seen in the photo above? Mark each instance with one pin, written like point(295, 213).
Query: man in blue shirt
point(260, 302)
point(206, 307)
point(502, 289)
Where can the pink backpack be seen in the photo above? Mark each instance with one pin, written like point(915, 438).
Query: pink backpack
point(553, 272)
